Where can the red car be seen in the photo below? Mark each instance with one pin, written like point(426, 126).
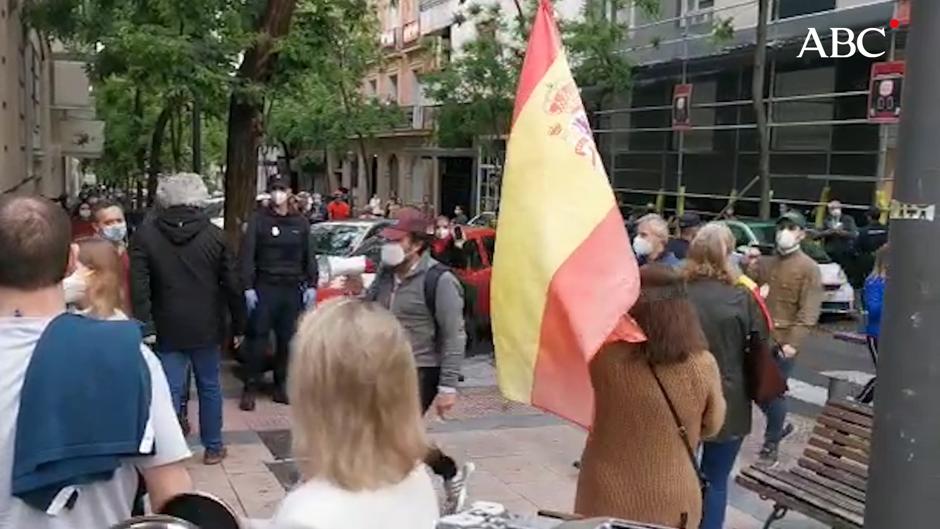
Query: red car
point(475, 275)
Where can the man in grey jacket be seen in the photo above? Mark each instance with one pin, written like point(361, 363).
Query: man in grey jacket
point(427, 298)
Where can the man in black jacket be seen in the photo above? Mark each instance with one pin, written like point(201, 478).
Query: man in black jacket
point(280, 277)
point(183, 277)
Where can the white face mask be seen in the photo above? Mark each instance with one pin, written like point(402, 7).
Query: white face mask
point(787, 241)
point(115, 232)
point(392, 254)
point(84, 214)
point(642, 247)
point(74, 287)
point(279, 197)
point(836, 213)
point(442, 233)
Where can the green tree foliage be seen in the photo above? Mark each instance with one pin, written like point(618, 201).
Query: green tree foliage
point(148, 61)
point(317, 102)
point(476, 89)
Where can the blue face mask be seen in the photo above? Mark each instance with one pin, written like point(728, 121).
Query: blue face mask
point(115, 232)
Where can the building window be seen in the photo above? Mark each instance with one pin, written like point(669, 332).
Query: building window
point(795, 8)
point(699, 5)
point(393, 87)
point(394, 19)
point(808, 137)
point(417, 94)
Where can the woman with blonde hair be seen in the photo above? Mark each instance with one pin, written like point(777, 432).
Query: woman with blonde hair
point(98, 280)
point(655, 402)
point(357, 426)
point(729, 316)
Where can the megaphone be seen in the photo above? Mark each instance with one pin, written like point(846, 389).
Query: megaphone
point(344, 266)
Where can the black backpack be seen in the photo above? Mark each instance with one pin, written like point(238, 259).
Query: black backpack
point(431, 279)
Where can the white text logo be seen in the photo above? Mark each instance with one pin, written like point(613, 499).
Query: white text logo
point(844, 43)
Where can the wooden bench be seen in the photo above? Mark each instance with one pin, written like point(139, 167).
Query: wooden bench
point(830, 479)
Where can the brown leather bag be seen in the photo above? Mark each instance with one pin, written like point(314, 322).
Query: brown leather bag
point(765, 382)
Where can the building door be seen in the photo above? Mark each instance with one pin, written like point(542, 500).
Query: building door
point(456, 184)
point(393, 177)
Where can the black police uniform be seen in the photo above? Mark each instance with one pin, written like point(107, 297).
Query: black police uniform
point(278, 264)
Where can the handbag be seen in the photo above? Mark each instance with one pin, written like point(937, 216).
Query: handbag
point(683, 433)
point(765, 383)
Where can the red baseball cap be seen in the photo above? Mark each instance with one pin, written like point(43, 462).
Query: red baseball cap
point(408, 220)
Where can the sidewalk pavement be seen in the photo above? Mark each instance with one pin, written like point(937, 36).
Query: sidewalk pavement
point(524, 458)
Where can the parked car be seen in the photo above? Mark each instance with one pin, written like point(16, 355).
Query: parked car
point(215, 209)
point(338, 246)
point(487, 219)
point(839, 295)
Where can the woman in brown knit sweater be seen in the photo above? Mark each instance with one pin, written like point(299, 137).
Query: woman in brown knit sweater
point(635, 464)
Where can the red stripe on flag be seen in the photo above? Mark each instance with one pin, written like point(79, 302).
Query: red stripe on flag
point(543, 48)
point(587, 300)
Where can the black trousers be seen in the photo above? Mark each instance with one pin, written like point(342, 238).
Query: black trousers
point(428, 380)
point(279, 307)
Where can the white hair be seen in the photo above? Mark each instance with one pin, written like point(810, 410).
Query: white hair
point(657, 225)
point(182, 189)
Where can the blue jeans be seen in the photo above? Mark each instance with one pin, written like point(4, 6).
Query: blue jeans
point(717, 463)
point(206, 366)
point(776, 411)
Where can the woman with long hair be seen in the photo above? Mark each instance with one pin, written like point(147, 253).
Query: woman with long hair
point(638, 463)
point(729, 317)
point(101, 276)
point(357, 426)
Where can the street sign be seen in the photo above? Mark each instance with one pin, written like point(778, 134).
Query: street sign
point(902, 13)
point(682, 107)
point(884, 93)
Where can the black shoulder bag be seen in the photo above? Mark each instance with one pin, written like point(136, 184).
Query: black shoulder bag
point(683, 433)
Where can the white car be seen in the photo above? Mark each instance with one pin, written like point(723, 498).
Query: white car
point(346, 247)
point(839, 295)
point(215, 209)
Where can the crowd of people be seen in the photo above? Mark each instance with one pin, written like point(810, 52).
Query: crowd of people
point(140, 314)
point(177, 286)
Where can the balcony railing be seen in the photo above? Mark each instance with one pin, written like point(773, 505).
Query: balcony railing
point(416, 118)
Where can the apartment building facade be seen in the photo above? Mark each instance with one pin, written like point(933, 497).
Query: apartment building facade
point(47, 120)
point(418, 37)
point(822, 145)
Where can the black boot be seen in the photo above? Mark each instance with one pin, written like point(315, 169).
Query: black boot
point(248, 399)
point(280, 395)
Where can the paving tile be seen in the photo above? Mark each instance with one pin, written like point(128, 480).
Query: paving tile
point(246, 459)
point(278, 442)
point(517, 469)
point(259, 493)
point(555, 495)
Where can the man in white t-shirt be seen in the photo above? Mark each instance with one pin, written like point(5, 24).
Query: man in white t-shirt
point(35, 237)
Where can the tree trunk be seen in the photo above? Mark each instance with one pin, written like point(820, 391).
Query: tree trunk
point(288, 162)
point(197, 135)
point(367, 163)
point(245, 115)
point(760, 108)
point(156, 151)
point(175, 139)
point(141, 154)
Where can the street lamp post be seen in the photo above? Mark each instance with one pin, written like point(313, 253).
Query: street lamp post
point(904, 488)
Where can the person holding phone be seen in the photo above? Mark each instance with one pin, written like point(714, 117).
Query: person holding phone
point(447, 247)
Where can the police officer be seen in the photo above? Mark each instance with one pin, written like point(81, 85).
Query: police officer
point(280, 275)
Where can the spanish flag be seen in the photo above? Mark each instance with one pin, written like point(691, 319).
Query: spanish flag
point(565, 275)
